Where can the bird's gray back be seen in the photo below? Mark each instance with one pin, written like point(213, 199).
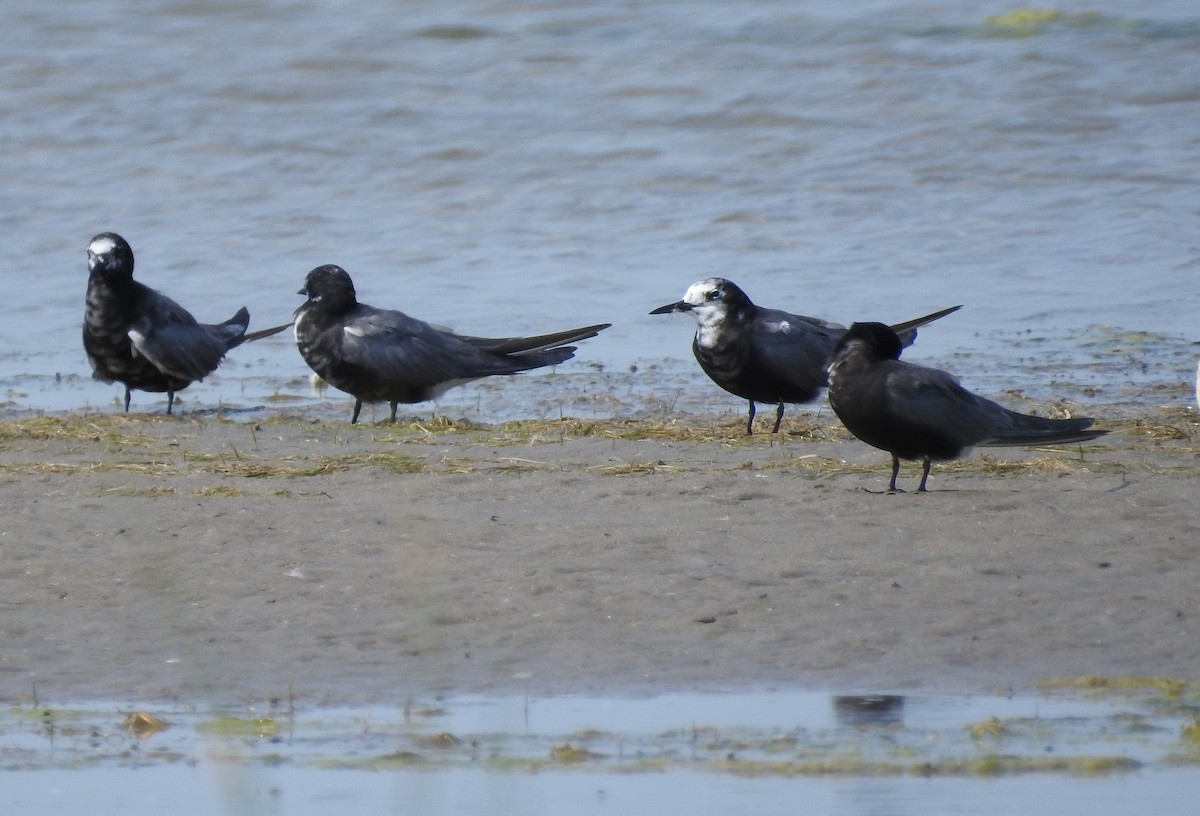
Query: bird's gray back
point(404, 356)
point(794, 349)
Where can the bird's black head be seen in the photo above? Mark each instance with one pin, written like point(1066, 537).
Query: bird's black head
point(877, 339)
point(329, 285)
point(709, 295)
point(109, 255)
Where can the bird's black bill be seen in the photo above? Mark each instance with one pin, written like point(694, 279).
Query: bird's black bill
point(921, 321)
point(679, 306)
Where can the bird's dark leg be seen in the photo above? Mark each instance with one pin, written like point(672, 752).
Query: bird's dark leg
point(895, 473)
point(750, 421)
point(127, 399)
point(394, 412)
point(170, 400)
point(778, 418)
point(924, 475)
point(357, 408)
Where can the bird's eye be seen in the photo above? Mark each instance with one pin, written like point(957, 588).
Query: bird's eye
point(713, 294)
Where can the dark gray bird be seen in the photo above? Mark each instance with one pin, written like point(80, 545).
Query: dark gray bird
point(914, 412)
point(380, 355)
point(764, 355)
point(141, 338)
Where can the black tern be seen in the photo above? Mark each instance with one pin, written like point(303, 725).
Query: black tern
point(380, 355)
point(143, 339)
point(915, 412)
point(765, 355)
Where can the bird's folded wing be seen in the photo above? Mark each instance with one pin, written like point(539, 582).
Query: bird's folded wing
point(398, 348)
point(792, 347)
point(188, 351)
point(160, 310)
point(520, 345)
point(774, 315)
point(934, 399)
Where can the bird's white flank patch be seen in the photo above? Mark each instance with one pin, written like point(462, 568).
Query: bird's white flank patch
point(296, 325)
point(138, 339)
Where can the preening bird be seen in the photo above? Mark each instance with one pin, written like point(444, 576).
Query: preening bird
point(141, 338)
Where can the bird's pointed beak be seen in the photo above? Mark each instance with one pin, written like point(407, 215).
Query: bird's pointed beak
point(678, 306)
point(303, 291)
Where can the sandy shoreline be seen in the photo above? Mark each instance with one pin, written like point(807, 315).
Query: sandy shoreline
point(165, 558)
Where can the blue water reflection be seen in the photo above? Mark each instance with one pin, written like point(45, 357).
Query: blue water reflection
point(739, 753)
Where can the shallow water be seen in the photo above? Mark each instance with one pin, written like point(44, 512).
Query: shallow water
point(750, 752)
point(508, 168)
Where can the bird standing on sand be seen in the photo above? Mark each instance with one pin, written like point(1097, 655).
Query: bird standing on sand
point(380, 355)
point(143, 339)
point(914, 412)
point(764, 355)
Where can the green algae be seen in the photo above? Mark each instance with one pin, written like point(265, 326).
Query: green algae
point(239, 727)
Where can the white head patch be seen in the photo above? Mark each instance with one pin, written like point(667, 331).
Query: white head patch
point(101, 246)
point(697, 293)
point(709, 314)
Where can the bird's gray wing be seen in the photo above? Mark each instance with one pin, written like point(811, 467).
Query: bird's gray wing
point(933, 399)
point(521, 345)
point(169, 337)
point(398, 348)
point(793, 347)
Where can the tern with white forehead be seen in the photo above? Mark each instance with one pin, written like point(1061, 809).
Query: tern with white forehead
point(914, 412)
point(381, 355)
point(141, 338)
point(764, 355)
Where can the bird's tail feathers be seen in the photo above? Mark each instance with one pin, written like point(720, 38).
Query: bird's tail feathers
point(242, 318)
point(543, 357)
point(531, 345)
point(231, 333)
point(261, 333)
point(1033, 430)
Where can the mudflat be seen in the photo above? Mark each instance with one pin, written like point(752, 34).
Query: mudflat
point(157, 557)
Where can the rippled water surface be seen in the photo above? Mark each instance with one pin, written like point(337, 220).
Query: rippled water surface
point(507, 167)
point(1132, 751)
point(514, 167)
